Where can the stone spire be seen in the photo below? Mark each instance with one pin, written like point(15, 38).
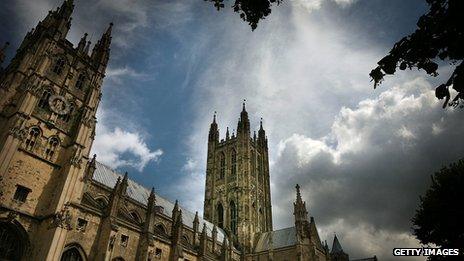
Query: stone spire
point(243, 125)
point(262, 140)
point(214, 236)
point(82, 43)
point(203, 241)
point(58, 22)
point(101, 50)
point(301, 215)
point(213, 130)
point(146, 239)
point(117, 195)
point(224, 255)
point(196, 227)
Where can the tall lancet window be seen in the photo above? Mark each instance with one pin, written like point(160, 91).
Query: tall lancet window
point(59, 66)
point(234, 162)
point(32, 138)
point(52, 145)
point(222, 169)
point(220, 215)
point(80, 81)
point(44, 98)
point(233, 218)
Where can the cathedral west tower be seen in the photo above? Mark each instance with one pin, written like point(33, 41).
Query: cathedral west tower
point(49, 95)
point(237, 194)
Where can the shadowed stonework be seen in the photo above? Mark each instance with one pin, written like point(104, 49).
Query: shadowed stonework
point(58, 203)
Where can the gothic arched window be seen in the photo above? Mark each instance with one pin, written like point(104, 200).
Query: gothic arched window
point(160, 229)
point(11, 243)
point(233, 218)
point(80, 81)
point(43, 102)
point(59, 66)
point(220, 215)
point(136, 216)
point(185, 240)
point(52, 145)
point(222, 170)
point(72, 254)
point(234, 162)
point(32, 137)
point(102, 202)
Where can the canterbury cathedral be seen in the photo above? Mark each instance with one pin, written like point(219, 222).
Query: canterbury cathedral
point(57, 202)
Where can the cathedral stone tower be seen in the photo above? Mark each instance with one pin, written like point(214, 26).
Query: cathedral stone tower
point(237, 195)
point(49, 95)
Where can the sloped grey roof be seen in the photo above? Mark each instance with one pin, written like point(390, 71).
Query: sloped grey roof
point(336, 247)
point(108, 177)
point(280, 238)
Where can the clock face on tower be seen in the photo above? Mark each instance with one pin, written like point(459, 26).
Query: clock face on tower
point(58, 104)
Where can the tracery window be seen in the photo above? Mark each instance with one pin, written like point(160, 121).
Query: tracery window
point(52, 145)
point(80, 81)
point(59, 66)
point(32, 137)
point(136, 216)
point(10, 243)
point(220, 215)
point(160, 229)
point(43, 102)
point(222, 170)
point(233, 217)
point(72, 254)
point(234, 162)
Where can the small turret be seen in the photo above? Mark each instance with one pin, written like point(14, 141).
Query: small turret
point(214, 236)
point(196, 226)
point(243, 126)
point(262, 141)
point(203, 241)
point(301, 215)
point(213, 131)
point(227, 134)
point(224, 255)
point(58, 22)
point(82, 43)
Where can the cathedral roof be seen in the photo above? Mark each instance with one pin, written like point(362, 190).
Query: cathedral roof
point(108, 177)
point(336, 247)
point(276, 239)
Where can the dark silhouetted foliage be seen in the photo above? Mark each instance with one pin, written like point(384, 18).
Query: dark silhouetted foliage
point(439, 35)
point(251, 11)
point(439, 219)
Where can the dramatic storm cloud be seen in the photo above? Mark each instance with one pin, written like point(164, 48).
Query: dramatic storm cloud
point(361, 156)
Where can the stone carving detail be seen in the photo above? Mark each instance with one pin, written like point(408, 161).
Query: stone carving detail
point(58, 104)
point(18, 133)
point(62, 219)
point(76, 160)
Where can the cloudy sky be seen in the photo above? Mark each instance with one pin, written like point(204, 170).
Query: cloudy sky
point(361, 156)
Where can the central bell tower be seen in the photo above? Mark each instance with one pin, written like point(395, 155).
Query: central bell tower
point(237, 194)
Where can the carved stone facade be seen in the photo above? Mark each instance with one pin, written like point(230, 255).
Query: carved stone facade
point(237, 191)
point(58, 203)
